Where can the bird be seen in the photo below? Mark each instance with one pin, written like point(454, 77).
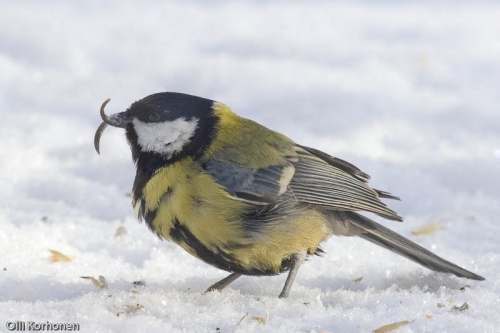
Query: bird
point(244, 198)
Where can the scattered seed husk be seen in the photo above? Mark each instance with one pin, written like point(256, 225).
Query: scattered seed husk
point(393, 326)
point(428, 316)
point(139, 283)
point(463, 307)
point(465, 287)
point(440, 305)
point(358, 280)
point(128, 309)
point(120, 231)
point(133, 308)
point(428, 228)
point(101, 283)
point(57, 256)
point(260, 320)
point(242, 318)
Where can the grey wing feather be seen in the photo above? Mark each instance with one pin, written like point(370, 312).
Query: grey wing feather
point(386, 195)
point(338, 163)
point(344, 222)
point(347, 167)
point(321, 179)
point(317, 179)
point(258, 186)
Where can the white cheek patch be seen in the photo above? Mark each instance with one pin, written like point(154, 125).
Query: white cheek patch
point(166, 137)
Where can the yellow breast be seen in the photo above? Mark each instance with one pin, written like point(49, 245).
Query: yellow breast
point(182, 193)
point(189, 207)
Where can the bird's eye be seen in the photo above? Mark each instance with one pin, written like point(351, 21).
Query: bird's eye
point(153, 117)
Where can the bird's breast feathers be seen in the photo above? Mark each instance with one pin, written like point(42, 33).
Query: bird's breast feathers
point(184, 204)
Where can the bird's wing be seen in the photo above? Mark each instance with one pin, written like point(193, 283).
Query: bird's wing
point(257, 186)
point(323, 180)
point(308, 176)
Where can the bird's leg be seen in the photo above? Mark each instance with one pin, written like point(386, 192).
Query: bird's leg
point(224, 282)
point(298, 259)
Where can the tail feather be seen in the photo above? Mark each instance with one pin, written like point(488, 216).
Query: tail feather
point(394, 242)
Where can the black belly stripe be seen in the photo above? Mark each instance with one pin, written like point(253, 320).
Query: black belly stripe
point(180, 233)
point(150, 216)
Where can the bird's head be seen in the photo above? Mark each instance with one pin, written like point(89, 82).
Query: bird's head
point(170, 125)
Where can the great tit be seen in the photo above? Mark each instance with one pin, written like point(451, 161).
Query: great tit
point(244, 198)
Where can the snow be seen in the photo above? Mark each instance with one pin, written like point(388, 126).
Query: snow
point(407, 92)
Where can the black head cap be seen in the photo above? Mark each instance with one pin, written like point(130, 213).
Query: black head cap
point(169, 106)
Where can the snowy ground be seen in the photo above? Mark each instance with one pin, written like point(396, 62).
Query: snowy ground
point(409, 93)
